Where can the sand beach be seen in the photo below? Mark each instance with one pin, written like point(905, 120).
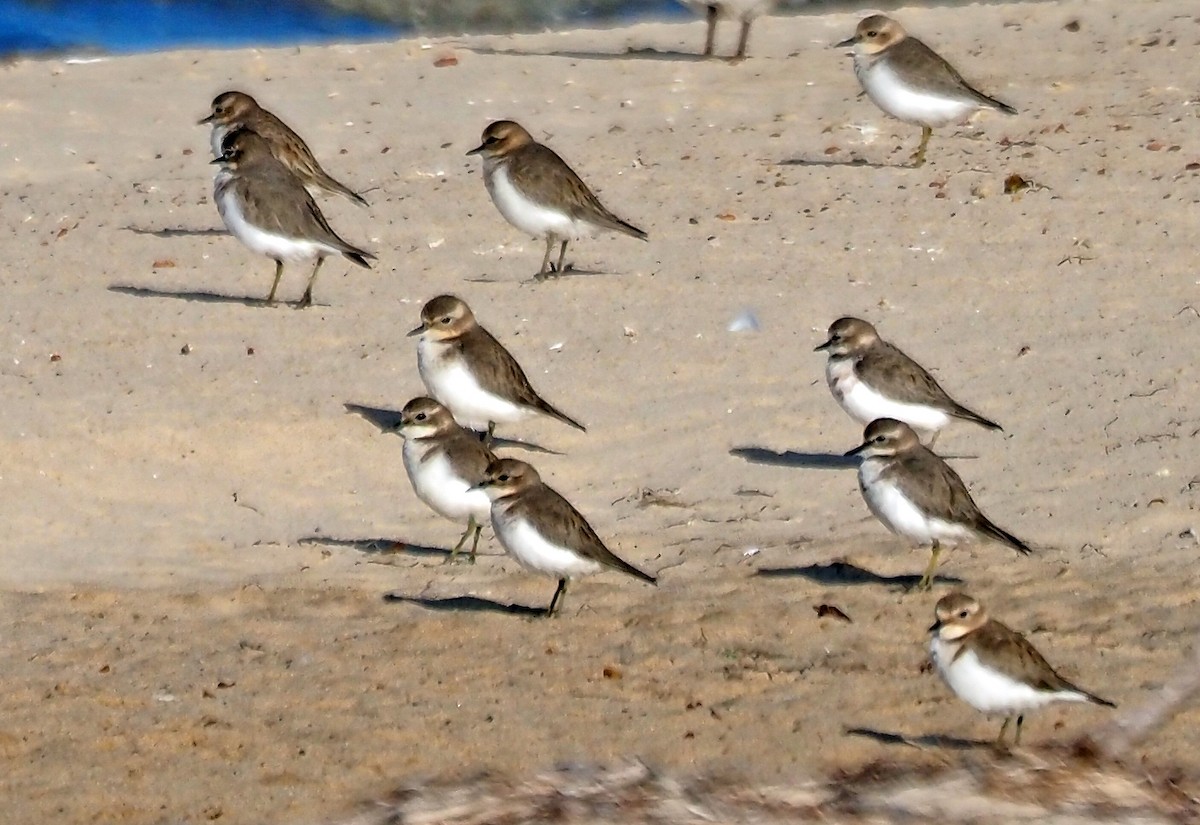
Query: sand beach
point(220, 599)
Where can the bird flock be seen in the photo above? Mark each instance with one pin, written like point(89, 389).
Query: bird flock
point(262, 192)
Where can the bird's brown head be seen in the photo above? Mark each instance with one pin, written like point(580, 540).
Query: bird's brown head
point(242, 146)
point(502, 138)
point(874, 34)
point(231, 107)
point(423, 417)
point(956, 615)
point(849, 336)
point(444, 317)
point(508, 476)
point(886, 437)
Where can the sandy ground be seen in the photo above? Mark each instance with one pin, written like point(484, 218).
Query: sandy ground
point(221, 600)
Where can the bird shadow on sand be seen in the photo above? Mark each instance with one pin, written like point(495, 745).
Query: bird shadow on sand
point(176, 232)
point(631, 53)
point(201, 297)
point(843, 573)
point(813, 461)
point(790, 458)
point(387, 421)
point(825, 163)
point(568, 272)
point(930, 740)
point(499, 443)
point(465, 604)
point(380, 547)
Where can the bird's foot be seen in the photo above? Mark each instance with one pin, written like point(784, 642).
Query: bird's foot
point(922, 586)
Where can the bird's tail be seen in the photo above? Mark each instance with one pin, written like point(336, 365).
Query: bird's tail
point(999, 105)
point(358, 256)
point(970, 415)
point(331, 185)
point(1003, 536)
point(553, 412)
point(611, 221)
point(626, 567)
point(1085, 696)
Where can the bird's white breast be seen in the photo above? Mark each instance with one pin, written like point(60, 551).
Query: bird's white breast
point(532, 550)
point(986, 689)
point(451, 382)
point(435, 483)
point(264, 243)
point(217, 137)
point(903, 100)
point(889, 504)
point(864, 403)
point(539, 220)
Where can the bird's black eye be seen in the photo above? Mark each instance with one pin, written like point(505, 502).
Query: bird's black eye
point(962, 614)
point(421, 416)
point(445, 320)
point(879, 439)
point(490, 139)
point(502, 477)
point(872, 34)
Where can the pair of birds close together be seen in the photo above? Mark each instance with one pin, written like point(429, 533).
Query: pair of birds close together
point(261, 194)
point(906, 485)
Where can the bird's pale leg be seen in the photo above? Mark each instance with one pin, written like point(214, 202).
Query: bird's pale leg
point(489, 435)
point(562, 588)
point(933, 439)
point(463, 540)
point(541, 276)
point(710, 39)
point(275, 286)
point(743, 41)
point(926, 582)
point(918, 158)
point(562, 257)
point(1017, 738)
point(1003, 728)
point(475, 542)
point(306, 299)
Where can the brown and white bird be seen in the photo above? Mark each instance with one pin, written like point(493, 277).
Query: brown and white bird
point(238, 110)
point(268, 209)
point(918, 496)
point(467, 369)
point(542, 531)
point(444, 463)
point(872, 379)
point(744, 11)
point(910, 81)
point(992, 668)
point(538, 193)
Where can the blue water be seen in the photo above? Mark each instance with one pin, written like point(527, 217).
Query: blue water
point(32, 26)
